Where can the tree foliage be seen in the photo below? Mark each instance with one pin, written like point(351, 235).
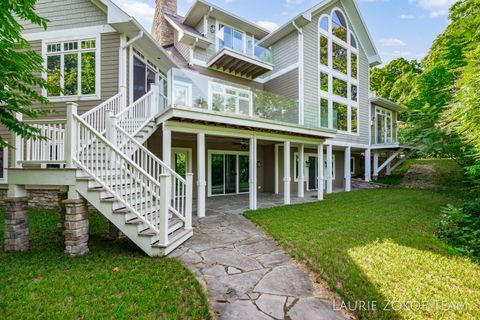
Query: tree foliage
point(20, 68)
point(442, 92)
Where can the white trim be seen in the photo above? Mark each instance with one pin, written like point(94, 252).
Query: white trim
point(278, 73)
point(80, 33)
point(188, 152)
point(98, 68)
point(225, 152)
point(5, 166)
point(201, 182)
point(277, 146)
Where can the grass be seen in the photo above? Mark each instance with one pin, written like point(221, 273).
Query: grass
point(446, 174)
point(379, 246)
point(115, 280)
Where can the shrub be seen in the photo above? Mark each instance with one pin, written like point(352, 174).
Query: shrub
point(460, 227)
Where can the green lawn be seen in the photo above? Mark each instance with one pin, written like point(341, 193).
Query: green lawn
point(114, 281)
point(379, 245)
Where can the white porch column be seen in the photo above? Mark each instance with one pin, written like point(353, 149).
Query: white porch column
point(167, 146)
point(301, 171)
point(201, 182)
point(320, 169)
point(253, 173)
point(276, 169)
point(348, 170)
point(368, 165)
point(286, 172)
point(375, 164)
point(329, 168)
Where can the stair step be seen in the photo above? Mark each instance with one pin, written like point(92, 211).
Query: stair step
point(175, 240)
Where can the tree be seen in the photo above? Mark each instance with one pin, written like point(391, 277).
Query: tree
point(20, 69)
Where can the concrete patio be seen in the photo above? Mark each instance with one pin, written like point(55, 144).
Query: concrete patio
point(247, 275)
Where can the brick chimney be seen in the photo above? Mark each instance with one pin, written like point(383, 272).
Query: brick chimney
point(162, 31)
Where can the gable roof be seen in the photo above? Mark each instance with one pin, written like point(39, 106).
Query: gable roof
point(202, 8)
point(124, 23)
point(354, 16)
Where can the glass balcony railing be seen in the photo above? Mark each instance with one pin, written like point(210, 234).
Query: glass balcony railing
point(240, 42)
point(193, 90)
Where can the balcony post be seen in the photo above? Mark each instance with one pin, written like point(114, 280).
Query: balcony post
point(347, 169)
point(165, 189)
point(253, 173)
point(70, 135)
point(167, 146)
point(188, 201)
point(320, 170)
point(329, 169)
point(368, 165)
point(286, 172)
point(201, 182)
point(301, 171)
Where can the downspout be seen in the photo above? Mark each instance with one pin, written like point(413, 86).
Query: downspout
point(124, 44)
point(301, 78)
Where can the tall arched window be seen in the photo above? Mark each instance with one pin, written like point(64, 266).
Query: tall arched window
point(338, 74)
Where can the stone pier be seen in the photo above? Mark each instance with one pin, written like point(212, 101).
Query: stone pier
point(76, 227)
point(16, 224)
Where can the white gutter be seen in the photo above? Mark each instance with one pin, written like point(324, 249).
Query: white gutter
point(134, 39)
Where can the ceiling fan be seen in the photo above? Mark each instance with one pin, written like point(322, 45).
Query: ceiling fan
point(242, 143)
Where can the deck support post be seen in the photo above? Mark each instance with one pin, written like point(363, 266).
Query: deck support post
point(165, 196)
point(167, 146)
point(76, 226)
point(375, 164)
point(70, 135)
point(348, 169)
point(201, 180)
point(286, 172)
point(329, 169)
point(253, 173)
point(276, 152)
point(301, 171)
point(368, 165)
point(320, 170)
point(188, 201)
point(16, 219)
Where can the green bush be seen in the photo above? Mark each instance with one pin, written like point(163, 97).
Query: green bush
point(460, 227)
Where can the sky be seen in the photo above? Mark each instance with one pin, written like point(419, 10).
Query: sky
point(400, 28)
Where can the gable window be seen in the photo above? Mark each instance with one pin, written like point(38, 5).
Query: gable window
point(72, 68)
point(338, 74)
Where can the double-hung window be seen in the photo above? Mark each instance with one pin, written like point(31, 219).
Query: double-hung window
point(72, 68)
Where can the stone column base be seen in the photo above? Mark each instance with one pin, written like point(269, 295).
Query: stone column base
point(76, 227)
point(16, 224)
point(114, 233)
point(62, 196)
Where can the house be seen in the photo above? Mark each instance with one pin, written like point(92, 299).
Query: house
point(149, 126)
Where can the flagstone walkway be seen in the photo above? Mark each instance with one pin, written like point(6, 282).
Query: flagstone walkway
point(248, 275)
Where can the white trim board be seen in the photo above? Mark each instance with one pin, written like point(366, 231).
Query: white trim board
point(85, 32)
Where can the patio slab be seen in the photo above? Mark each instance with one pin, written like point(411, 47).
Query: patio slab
point(246, 273)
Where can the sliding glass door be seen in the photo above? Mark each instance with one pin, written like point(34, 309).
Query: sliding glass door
point(229, 173)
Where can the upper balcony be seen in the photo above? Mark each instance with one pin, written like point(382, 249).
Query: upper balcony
point(238, 53)
point(200, 97)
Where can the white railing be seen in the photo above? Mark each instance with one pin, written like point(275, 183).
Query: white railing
point(181, 189)
point(138, 114)
point(97, 116)
point(49, 149)
point(124, 179)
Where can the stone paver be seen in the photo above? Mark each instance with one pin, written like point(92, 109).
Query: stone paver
point(247, 275)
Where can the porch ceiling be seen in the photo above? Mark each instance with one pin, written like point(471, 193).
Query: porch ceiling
point(239, 64)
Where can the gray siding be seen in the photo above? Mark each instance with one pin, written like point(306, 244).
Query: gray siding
point(285, 85)
point(67, 14)
point(285, 53)
point(182, 48)
point(311, 58)
point(206, 54)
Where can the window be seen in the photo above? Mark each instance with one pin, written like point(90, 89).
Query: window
point(338, 74)
point(339, 25)
point(383, 126)
point(230, 38)
point(340, 116)
point(324, 50)
point(324, 81)
point(339, 58)
point(340, 88)
point(182, 94)
point(72, 68)
point(144, 76)
point(230, 99)
point(352, 165)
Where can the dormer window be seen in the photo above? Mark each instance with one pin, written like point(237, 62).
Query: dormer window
point(338, 74)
